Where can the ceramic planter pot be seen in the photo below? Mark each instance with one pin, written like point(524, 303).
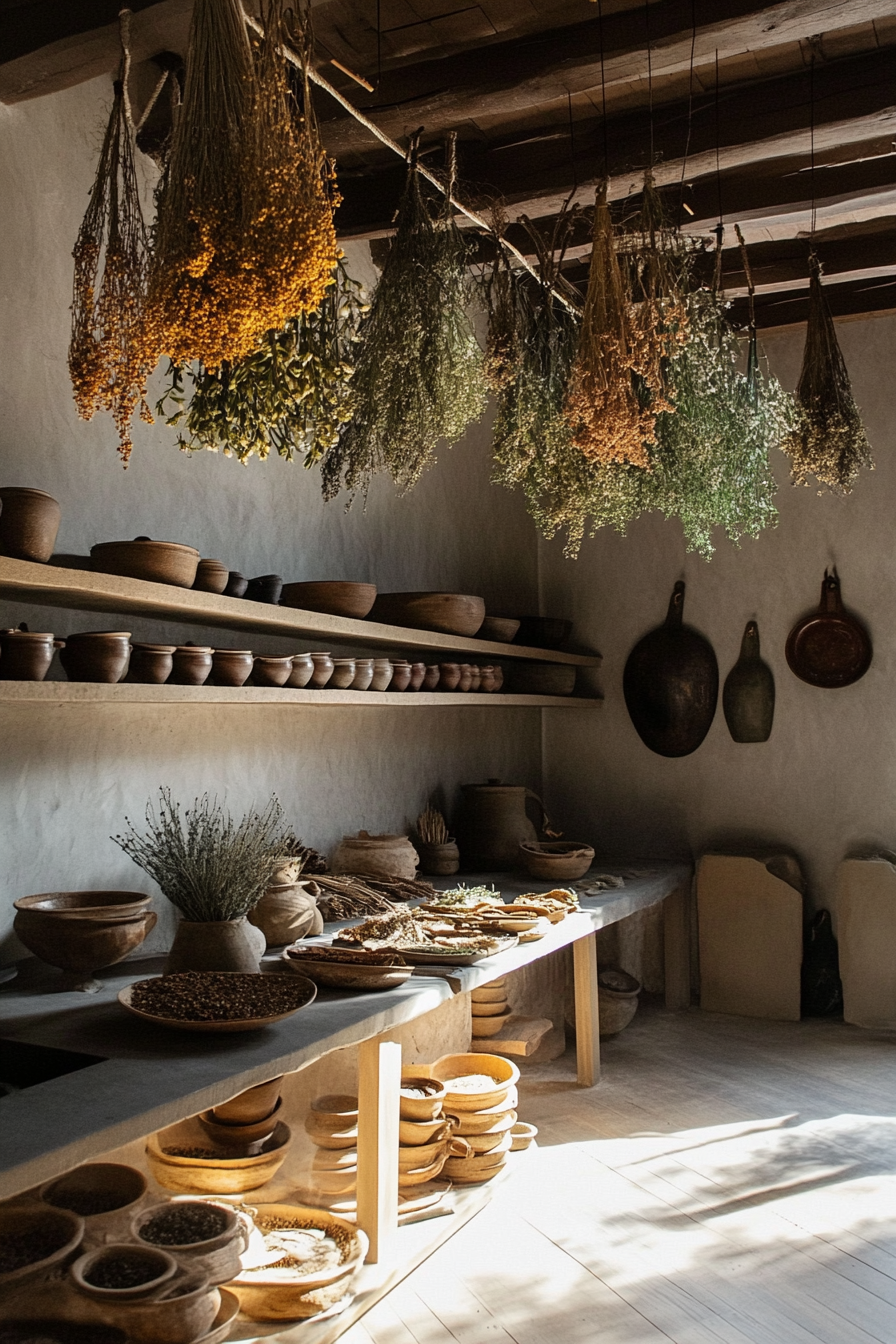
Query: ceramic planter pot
point(401, 676)
point(266, 588)
point(219, 945)
point(343, 674)
point(449, 676)
point(382, 674)
point(286, 913)
point(151, 664)
point(236, 585)
point(439, 860)
point(323, 669)
point(192, 665)
point(25, 656)
point(272, 671)
point(363, 674)
point(96, 655)
point(386, 855)
point(231, 667)
point(211, 576)
point(302, 671)
point(29, 522)
point(617, 993)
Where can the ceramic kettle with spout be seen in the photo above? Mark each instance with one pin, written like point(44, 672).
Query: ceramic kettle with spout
point(492, 822)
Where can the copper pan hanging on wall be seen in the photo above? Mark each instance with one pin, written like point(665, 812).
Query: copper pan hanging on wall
point(830, 647)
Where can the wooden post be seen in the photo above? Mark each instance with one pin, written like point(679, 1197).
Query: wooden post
point(677, 947)
point(379, 1081)
point(584, 963)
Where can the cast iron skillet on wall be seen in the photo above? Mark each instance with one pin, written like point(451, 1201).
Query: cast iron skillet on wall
point(830, 647)
point(671, 684)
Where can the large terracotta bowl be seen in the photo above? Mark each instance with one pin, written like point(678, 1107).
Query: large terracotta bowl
point(82, 931)
point(155, 561)
point(331, 597)
point(449, 613)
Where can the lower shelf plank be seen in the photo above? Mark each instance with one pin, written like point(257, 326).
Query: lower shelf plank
point(126, 693)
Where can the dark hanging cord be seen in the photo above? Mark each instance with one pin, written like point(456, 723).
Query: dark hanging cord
point(718, 151)
point(649, 76)
point(812, 141)
point(572, 143)
point(603, 87)
point(379, 45)
point(687, 143)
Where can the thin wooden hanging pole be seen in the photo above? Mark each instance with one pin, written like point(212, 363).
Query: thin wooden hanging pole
point(371, 126)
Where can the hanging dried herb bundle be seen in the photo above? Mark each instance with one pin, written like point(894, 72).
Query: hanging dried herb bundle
point(108, 358)
point(502, 349)
point(291, 395)
point(657, 258)
point(419, 376)
point(828, 441)
point(607, 420)
point(244, 236)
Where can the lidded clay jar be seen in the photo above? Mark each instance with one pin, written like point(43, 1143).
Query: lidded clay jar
point(192, 665)
point(96, 655)
point(25, 655)
point(151, 664)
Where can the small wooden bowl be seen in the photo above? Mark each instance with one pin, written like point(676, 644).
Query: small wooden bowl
point(420, 1175)
point(427, 1107)
point(521, 1136)
point(489, 994)
point(494, 1009)
point(335, 1159)
point(556, 860)
point(423, 1155)
point(490, 1125)
point(479, 1122)
point(253, 1104)
point(339, 1106)
point(212, 576)
point(332, 1121)
point(502, 1072)
point(232, 1134)
point(333, 598)
point(491, 1142)
point(483, 1027)
point(413, 1133)
point(473, 1168)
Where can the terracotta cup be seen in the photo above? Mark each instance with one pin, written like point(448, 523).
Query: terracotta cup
point(343, 674)
point(272, 671)
point(29, 522)
point(323, 669)
point(499, 676)
point(302, 670)
point(96, 655)
point(231, 667)
point(449, 676)
point(151, 664)
point(363, 674)
point(25, 655)
point(382, 674)
point(401, 676)
point(192, 665)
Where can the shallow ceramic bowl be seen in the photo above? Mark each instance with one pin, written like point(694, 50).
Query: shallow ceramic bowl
point(163, 1265)
point(501, 629)
point(79, 905)
point(483, 1027)
point(335, 1159)
point(250, 1024)
point(491, 1142)
point(521, 1136)
point(332, 597)
point(420, 1108)
point(556, 860)
point(66, 1228)
point(489, 994)
point(236, 1135)
point(326, 1136)
point(220, 1175)
point(345, 975)
point(494, 1009)
point(471, 1126)
point(254, 1104)
point(155, 561)
point(449, 613)
point(502, 1073)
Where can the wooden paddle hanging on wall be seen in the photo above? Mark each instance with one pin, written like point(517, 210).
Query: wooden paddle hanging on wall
point(748, 697)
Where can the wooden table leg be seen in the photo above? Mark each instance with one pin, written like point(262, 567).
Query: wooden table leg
point(379, 1081)
point(677, 941)
point(584, 962)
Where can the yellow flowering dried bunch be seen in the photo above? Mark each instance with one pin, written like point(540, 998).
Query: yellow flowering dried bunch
point(605, 416)
point(244, 237)
point(828, 440)
point(109, 358)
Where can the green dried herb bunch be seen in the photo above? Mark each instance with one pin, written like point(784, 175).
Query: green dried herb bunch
point(291, 395)
point(419, 374)
point(208, 866)
point(829, 440)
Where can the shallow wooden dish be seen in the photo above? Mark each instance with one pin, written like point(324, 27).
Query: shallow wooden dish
point(268, 1295)
point(414, 1133)
point(502, 629)
point(494, 1009)
point(521, 1136)
point(483, 1027)
point(420, 1175)
point(251, 1024)
point(324, 1137)
point(470, 1126)
point(331, 597)
point(335, 1159)
point(448, 613)
point(478, 1122)
point(427, 1107)
point(503, 1073)
point(473, 1168)
point(349, 975)
point(489, 994)
point(491, 1142)
point(423, 1155)
point(441, 956)
point(556, 860)
point(224, 1175)
point(229, 1134)
point(155, 561)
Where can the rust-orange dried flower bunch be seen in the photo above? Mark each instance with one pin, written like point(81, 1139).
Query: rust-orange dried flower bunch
point(109, 356)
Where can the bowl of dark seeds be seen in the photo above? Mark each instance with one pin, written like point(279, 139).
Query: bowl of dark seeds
point(101, 1193)
point(186, 1224)
point(217, 1000)
point(34, 1237)
point(122, 1270)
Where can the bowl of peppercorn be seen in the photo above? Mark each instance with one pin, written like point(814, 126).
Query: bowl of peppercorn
point(122, 1271)
point(33, 1238)
point(217, 1000)
point(205, 1236)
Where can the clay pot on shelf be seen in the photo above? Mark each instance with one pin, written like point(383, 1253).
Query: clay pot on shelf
point(151, 664)
point(401, 675)
point(449, 613)
point(332, 597)
point(231, 667)
point(29, 522)
point(265, 588)
point(96, 655)
point(216, 945)
point(379, 855)
point(232, 1134)
point(439, 860)
point(192, 665)
point(418, 673)
point(181, 1312)
point(223, 1174)
point(254, 1104)
point(81, 932)
point(26, 655)
point(272, 671)
point(431, 677)
point(475, 677)
point(286, 913)
point(501, 629)
point(302, 671)
point(236, 585)
point(499, 676)
point(211, 576)
point(543, 632)
point(343, 674)
point(217, 1258)
point(449, 676)
point(323, 669)
point(142, 558)
point(488, 680)
point(363, 674)
point(466, 677)
point(113, 1189)
point(382, 674)
point(57, 1232)
point(155, 1264)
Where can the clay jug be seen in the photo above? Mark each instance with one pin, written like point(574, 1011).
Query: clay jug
point(748, 698)
point(492, 824)
point(285, 913)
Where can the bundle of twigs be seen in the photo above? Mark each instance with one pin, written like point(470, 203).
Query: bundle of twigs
point(109, 357)
point(347, 895)
point(431, 827)
point(244, 235)
point(829, 440)
point(419, 375)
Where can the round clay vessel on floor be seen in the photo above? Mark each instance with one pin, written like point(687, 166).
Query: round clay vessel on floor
point(272, 671)
point(231, 667)
point(96, 655)
point(449, 676)
point(302, 671)
point(211, 576)
point(29, 522)
point(265, 588)
point(151, 664)
point(323, 669)
point(343, 674)
point(236, 585)
point(401, 676)
point(219, 945)
point(192, 665)
point(363, 674)
point(24, 655)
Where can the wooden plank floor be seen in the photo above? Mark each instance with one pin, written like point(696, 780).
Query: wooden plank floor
point(729, 1182)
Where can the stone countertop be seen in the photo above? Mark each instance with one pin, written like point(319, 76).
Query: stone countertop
point(150, 1076)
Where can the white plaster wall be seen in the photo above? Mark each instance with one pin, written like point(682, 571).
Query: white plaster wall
point(825, 783)
point(68, 775)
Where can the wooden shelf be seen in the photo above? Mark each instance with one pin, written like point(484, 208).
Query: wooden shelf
point(126, 693)
point(52, 586)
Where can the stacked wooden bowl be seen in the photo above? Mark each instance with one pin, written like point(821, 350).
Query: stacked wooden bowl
point(490, 1009)
point(332, 1126)
point(426, 1135)
point(481, 1093)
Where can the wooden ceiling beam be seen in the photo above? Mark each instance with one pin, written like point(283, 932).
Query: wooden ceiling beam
point(854, 298)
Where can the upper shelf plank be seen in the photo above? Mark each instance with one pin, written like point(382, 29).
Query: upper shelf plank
point(51, 586)
point(138, 693)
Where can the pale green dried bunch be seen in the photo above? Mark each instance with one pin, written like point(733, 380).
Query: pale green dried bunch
point(419, 375)
point(206, 864)
point(828, 440)
point(291, 395)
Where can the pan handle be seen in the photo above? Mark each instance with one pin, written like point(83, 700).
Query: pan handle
point(831, 601)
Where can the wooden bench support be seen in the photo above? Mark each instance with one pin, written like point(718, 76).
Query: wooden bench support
point(379, 1083)
point(584, 961)
point(677, 945)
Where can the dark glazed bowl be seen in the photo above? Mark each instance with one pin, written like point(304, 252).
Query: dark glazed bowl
point(237, 584)
point(211, 577)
